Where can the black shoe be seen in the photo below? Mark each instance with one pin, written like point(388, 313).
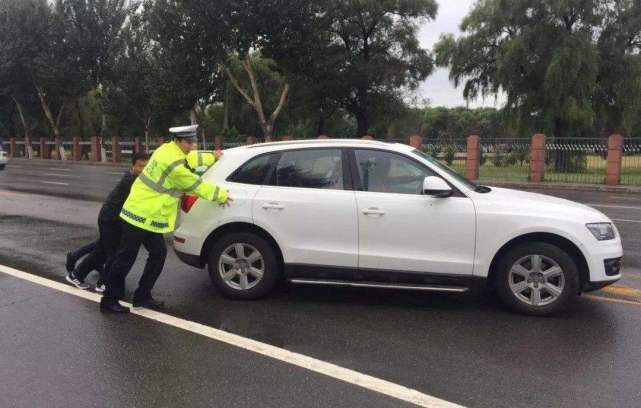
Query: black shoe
point(150, 303)
point(70, 264)
point(116, 308)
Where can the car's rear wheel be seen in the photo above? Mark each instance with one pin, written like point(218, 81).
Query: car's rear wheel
point(243, 266)
point(536, 278)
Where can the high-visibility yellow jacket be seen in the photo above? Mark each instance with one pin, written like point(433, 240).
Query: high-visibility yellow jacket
point(199, 162)
point(153, 201)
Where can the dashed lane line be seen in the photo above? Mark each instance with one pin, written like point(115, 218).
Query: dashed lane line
point(622, 220)
point(621, 207)
point(54, 182)
point(347, 375)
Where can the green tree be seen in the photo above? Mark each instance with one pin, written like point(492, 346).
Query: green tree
point(542, 54)
point(361, 52)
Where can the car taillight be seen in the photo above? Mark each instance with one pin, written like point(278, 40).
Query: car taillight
point(188, 202)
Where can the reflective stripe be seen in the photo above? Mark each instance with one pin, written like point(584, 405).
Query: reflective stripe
point(195, 185)
point(133, 216)
point(216, 194)
point(159, 224)
point(169, 169)
point(200, 159)
point(158, 187)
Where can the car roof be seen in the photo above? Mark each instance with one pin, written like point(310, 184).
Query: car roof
point(316, 143)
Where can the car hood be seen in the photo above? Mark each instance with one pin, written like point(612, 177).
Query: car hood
point(522, 202)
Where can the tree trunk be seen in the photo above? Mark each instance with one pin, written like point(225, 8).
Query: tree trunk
point(266, 124)
point(320, 130)
point(54, 123)
point(226, 107)
point(81, 122)
point(362, 121)
point(28, 151)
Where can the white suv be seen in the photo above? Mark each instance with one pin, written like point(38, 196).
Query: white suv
point(374, 214)
point(3, 159)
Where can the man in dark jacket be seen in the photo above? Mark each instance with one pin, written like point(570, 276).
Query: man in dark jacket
point(110, 228)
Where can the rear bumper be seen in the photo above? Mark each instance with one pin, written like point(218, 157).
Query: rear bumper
point(189, 259)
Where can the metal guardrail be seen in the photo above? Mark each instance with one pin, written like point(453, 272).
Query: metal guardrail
point(574, 160)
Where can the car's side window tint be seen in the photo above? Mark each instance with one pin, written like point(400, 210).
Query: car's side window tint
point(386, 172)
point(252, 172)
point(312, 168)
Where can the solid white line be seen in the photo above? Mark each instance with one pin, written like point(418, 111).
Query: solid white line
point(620, 220)
point(114, 173)
point(58, 168)
point(622, 207)
point(300, 360)
point(55, 182)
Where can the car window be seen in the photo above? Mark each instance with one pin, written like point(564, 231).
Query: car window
point(252, 172)
point(386, 172)
point(312, 168)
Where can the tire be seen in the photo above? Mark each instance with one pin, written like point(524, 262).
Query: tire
point(518, 280)
point(1, 166)
point(258, 255)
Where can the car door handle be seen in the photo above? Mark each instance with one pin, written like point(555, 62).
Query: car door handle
point(273, 206)
point(373, 211)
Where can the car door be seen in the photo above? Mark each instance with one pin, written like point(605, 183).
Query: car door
point(402, 230)
point(306, 206)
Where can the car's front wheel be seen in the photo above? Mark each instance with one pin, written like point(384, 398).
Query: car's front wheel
point(536, 278)
point(243, 266)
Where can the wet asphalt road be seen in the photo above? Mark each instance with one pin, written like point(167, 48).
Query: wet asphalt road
point(464, 349)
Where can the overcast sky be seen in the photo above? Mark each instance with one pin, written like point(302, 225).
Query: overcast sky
point(438, 88)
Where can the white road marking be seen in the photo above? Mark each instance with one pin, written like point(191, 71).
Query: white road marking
point(621, 207)
point(620, 220)
point(58, 168)
point(56, 174)
point(114, 173)
point(300, 360)
point(55, 182)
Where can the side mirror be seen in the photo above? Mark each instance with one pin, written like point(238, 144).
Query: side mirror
point(436, 187)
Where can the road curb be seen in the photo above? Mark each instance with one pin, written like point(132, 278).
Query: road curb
point(566, 187)
point(42, 162)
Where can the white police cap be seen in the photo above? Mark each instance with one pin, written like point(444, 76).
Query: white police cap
point(184, 131)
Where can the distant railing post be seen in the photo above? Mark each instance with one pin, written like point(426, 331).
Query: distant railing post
point(415, 141)
point(116, 151)
point(95, 149)
point(615, 156)
point(367, 137)
point(323, 136)
point(250, 140)
point(218, 142)
point(76, 153)
point(43, 149)
point(161, 141)
point(537, 158)
point(12, 148)
point(137, 145)
point(472, 157)
point(285, 138)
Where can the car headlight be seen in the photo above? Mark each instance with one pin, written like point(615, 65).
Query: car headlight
point(601, 230)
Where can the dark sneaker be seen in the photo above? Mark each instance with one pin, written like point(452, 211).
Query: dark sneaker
point(100, 287)
point(71, 278)
point(114, 308)
point(150, 303)
point(70, 264)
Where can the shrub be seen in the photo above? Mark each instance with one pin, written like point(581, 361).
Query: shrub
point(450, 154)
point(498, 159)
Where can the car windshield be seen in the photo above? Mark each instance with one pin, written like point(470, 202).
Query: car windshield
point(450, 171)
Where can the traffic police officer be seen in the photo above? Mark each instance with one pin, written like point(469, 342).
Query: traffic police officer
point(150, 211)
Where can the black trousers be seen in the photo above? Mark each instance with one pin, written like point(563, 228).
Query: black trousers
point(102, 255)
point(84, 250)
point(132, 238)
